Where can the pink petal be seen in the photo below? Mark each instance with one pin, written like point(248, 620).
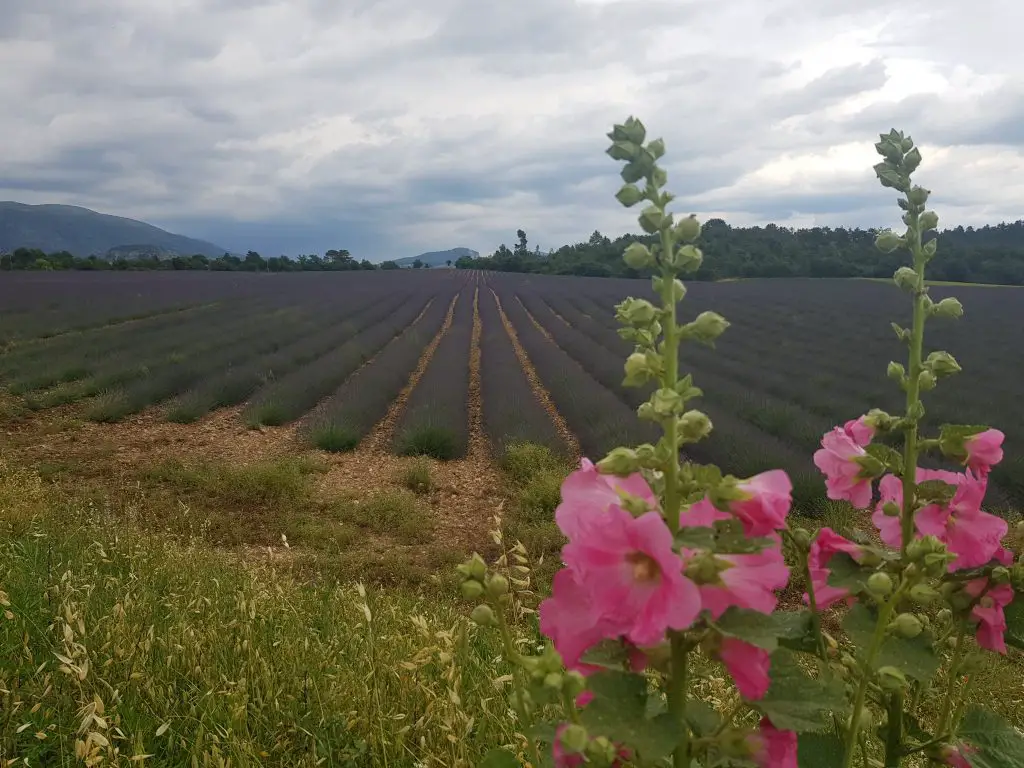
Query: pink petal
point(748, 665)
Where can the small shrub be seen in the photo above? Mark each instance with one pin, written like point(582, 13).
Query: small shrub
point(522, 460)
point(336, 438)
point(434, 441)
point(540, 495)
point(268, 414)
point(416, 476)
point(396, 513)
point(109, 407)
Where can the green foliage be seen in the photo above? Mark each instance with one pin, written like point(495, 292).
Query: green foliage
point(797, 702)
point(521, 461)
point(334, 437)
point(619, 712)
point(916, 656)
point(997, 743)
point(433, 440)
point(416, 476)
point(397, 513)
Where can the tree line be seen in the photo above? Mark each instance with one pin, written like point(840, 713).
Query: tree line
point(989, 254)
point(335, 260)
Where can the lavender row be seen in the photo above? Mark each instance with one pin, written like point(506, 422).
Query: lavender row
point(511, 410)
point(435, 421)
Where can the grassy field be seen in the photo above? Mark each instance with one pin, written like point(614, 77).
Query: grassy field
point(303, 461)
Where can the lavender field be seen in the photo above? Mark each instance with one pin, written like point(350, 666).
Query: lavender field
point(333, 355)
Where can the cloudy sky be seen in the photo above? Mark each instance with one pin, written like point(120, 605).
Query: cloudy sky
point(391, 127)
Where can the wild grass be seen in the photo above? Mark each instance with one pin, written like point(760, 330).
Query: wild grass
point(416, 476)
point(397, 513)
point(117, 644)
point(335, 437)
point(437, 441)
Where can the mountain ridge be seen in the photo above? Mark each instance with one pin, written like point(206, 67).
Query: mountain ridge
point(84, 232)
point(438, 258)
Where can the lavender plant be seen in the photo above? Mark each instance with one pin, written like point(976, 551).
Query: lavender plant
point(669, 563)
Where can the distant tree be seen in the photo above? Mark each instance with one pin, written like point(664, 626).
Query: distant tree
point(418, 264)
point(389, 265)
point(340, 259)
point(449, 262)
point(520, 248)
point(367, 264)
point(254, 262)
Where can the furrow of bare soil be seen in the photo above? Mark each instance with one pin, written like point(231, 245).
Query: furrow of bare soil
point(555, 312)
point(380, 436)
point(538, 387)
point(479, 450)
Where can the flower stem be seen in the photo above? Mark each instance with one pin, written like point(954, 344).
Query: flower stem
point(954, 673)
point(910, 442)
point(812, 603)
point(512, 654)
point(677, 698)
point(670, 376)
point(869, 664)
point(894, 731)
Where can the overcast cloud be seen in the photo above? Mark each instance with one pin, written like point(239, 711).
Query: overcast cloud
point(392, 127)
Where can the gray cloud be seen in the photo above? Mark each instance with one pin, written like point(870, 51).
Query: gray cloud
point(399, 126)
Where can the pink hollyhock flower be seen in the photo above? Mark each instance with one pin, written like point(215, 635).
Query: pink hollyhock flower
point(890, 488)
point(827, 543)
point(837, 459)
point(701, 514)
point(859, 431)
point(747, 581)
point(956, 756)
point(748, 665)
point(773, 748)
point(568, 618)
point(968, 532)
point(989, 613)
point(586, 492)
point(984, 450)
point(632, 576)
point(768, 499)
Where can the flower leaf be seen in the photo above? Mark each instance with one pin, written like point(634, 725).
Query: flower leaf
point(1014, 613)
point(847, 573)
point(618, 711)
point(916, 656)
point(889, 457)
point(796, 702)
point(763, 630)
point(998, 744)
point(820, 750)
point(703, 719)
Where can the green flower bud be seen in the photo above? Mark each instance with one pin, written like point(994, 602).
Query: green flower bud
point(602, 751)
point(634, 130)
point(802, 537)
point(646, 412)
point(944, 616)
point(553, 680)
point(929, 220)
point(621, 461)
point(918, 195)
point(666, 402)
point(1018, 531)
point(880, 584)
point(1001, 575)
point(891, 679)
point(688, 229)
point(949, 307)
point(629, 195)
point(694, 425)
point(647, 455)
point(947, 589)
point(895, 371)
point(705, 328)
point(636, 368)
point(473, 568)
point(484, 616)
point(926, 381)
point(912, 159)
point(888, 241)
point(848, 661)
point(1017, 577)
point(497, 585)
point(942, 364)
point(651, 219)
point(891, 509)
point(923, 593)
point(635, 505)
point(575, 682)
point(905, 278)
point(907, 625)
point(657, 148)
point(929, 248)
point(638, 256)
point(472, 589)
point(574, 738)
point(636, 312)
point(687, 258)
point(623, 150)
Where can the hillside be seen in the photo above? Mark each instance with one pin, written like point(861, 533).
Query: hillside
point(439, 258)
point(83, 232)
